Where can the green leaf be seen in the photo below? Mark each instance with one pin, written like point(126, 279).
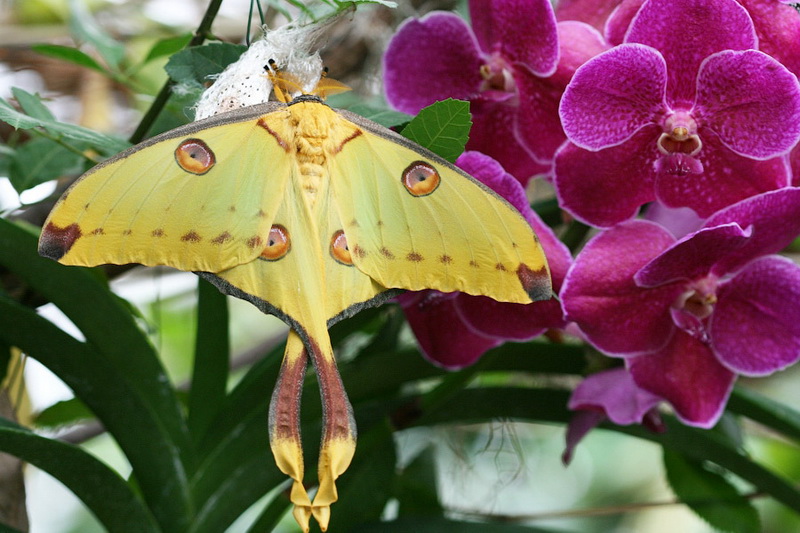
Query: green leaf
point(116, 372)
point(442, 128)
point(70, 55)
point(194, 65)
point(368, 485)
point(32, 104)
point(763, 410)
point(40, 160)
point(103, 491)
point(168, 46)
point(104, 143)
point(211, 358)
point(85, 28)
point(710, 495)
point(417, 489)
point(443, 525)
point(385, 117)
point(63, 413)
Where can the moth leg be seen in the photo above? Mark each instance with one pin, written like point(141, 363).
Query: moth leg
point(339, 429)
point(284, 424)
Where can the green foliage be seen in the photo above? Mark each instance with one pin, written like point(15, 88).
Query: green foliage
point(710, 495)
point(198, 464)
point(193, 66)
point(442, 128)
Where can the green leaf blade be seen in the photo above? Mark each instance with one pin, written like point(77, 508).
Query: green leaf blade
point(712, 497)
point(103, 491)
point(442, 128)
point(70, 55)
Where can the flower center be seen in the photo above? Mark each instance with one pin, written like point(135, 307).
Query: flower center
point(497, 76)
point(679, 144)
point(693, 306)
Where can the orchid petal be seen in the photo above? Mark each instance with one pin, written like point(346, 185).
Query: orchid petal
point(578, 43)
point(581, 423)
point(614, 95)
point(607, 187)
point(778, 29)
point(444, 339)
point(430, 59)
point(680, 221)
point(620, 20)
point(751, 101)
point(537, 125)
point(616, 394)
point(492, 133)
point(775, 220)
point(694, 256)
point(600, 296)
point(688, 31)
point(755, 327)
point(686, 374)
point(592, 12)
point(505, 27)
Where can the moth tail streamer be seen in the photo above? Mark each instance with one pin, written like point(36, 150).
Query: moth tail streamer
point(339, 429)
point(284, 425)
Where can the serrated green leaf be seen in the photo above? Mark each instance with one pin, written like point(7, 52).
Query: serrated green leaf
point(40, 160)
point(32, 104)
point(63, 413)
point(442, 128)
point(85, 28)
point(103, 491)
point(103, 143)
point(70, 55)
point(168, 46)
point(194, 65)
point(712, 497)
point(387, 118)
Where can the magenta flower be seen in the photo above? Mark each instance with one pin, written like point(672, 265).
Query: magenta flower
point(777, 24)
point(693, 118)
point(455, 329)
point(689, 315)
point(614, 395)
point(512, 80)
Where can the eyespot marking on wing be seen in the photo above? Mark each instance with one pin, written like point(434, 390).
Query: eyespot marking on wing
point(278, 243)
point(414, 257)
point(56, 241)
point(339, 249)
point(194, 156)
point(445, 259)
point(420, 178)
point(254, 241)
point(385, 252)
point(500, 266)
point(158, 232)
